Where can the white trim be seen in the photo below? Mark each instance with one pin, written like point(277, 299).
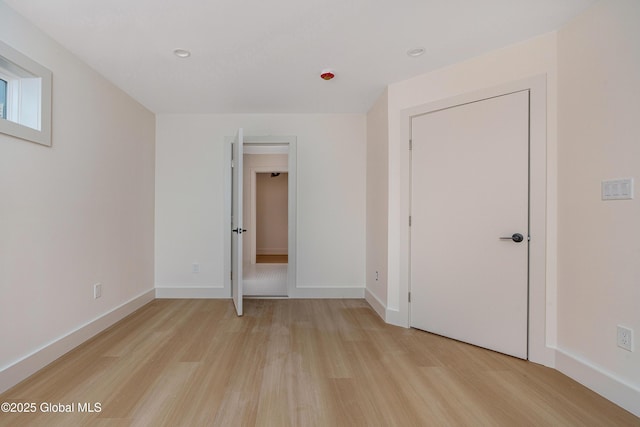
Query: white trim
point(292, 260)
point(42, 135)
point(328, 292)
point(269, 140)
point(269, 149)
point(192, 292)
point(375, 303)
point(312, 292)
point(598, 379)
point(395, 317)
point(226, 226)
point(27, 366)
point(538, 350)
point(291, 143)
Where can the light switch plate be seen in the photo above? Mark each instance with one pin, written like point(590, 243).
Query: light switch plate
point(617, 189)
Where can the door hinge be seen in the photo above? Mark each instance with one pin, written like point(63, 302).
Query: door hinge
point(409, 220)
point(231, 276)
point(410, 144)
point(409, 296)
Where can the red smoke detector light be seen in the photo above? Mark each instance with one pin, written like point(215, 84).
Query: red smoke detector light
point(327, 75)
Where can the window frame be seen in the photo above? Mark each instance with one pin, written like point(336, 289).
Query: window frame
point(3, 105)
point(21, 68)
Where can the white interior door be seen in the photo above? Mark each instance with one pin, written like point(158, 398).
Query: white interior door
point(469, 205)
point(236, 221)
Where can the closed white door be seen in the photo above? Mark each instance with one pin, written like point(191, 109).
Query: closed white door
point(237, 150)
point(469, 225)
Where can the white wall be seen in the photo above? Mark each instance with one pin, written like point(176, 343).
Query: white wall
point(599, 253)
point(190, 196)
point(592, 69)
point(530, 58)
point(377, 203)
point(73, 214)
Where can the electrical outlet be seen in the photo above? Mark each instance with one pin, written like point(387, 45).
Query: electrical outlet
point(195, 268)
point(625, 338)
point(97, 290)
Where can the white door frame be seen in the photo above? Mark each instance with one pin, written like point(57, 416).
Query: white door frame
point(266, 141)
point(538, 350)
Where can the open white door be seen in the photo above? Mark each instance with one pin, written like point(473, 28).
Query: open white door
point(236, 221)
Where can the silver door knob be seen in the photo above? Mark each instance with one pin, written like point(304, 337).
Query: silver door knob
point(516, 237)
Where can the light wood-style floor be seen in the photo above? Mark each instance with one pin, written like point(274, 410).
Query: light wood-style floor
point(297, 362)
point(264, 280)
point(272, 259)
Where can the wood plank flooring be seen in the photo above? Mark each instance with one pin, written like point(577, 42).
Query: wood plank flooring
point(296, 363)
point(272, 259)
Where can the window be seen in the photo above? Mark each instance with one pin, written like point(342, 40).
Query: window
point(3, 98)
point(25, 97)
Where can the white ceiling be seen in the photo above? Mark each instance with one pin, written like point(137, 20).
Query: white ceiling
point(265, 56)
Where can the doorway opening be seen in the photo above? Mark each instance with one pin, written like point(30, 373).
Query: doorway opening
point(271, 203)
point(243, 276)
point(540, 322)
point(266, 206)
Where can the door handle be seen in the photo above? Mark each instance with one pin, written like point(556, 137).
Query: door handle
point(517, 237)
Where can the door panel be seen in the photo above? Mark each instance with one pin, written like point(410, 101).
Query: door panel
point(236, 221)
point(470, 187)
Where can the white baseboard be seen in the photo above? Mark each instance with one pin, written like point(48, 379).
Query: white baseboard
point(328, 293)
point(394, 317)
point(192, 292)
point(24, 368)
point(375, 304)
point(599, 380)
point(223, 293)
point(272, 251)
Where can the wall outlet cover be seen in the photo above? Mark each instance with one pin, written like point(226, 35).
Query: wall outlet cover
point(97, 290)
point(625, 338)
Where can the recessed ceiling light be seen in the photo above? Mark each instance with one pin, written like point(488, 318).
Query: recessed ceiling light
point(181, 53)
point(415, 52)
